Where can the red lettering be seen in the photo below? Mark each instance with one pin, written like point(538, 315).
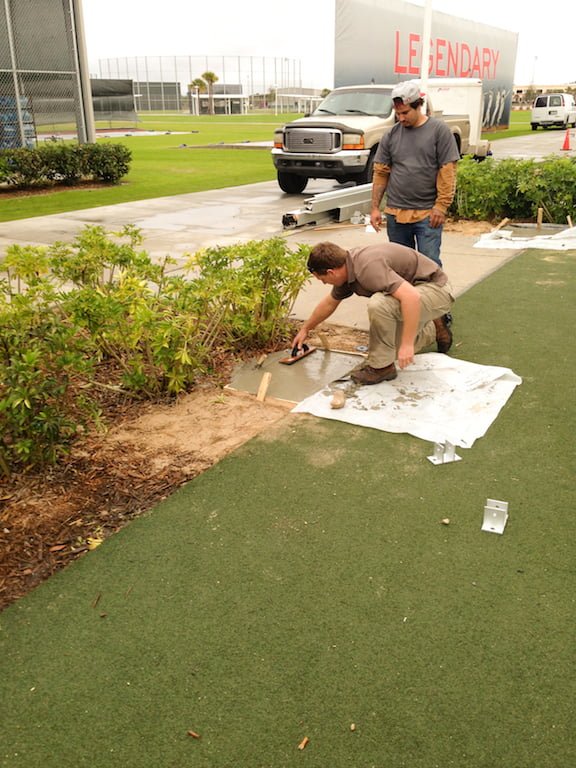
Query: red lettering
point(476, 64)
point(400, 68)
point(464, 54)
point(446, 59)
point(486, 60)
point(440, 69)
point(495, 56)
point(453, 52)
point(413, 40)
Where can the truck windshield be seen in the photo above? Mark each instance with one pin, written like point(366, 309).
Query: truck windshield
point(367, 101)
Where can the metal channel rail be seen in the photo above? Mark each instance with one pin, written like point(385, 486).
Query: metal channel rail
point(338, 205)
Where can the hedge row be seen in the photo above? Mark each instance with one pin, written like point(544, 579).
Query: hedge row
point(516, 189)
point(63, 163)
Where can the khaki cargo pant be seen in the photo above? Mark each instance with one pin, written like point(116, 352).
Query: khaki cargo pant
point(386, 322)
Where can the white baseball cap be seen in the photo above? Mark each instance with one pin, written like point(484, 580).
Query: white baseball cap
point(408, 91)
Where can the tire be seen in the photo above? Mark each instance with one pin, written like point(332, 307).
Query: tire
point(366, 175)
point(291, 184)
point(534, 126)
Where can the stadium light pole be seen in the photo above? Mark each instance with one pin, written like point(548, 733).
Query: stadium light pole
point(84, 71)
point(425, 60)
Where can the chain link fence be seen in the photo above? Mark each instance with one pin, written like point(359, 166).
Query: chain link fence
point(40, 88)
point(165, 83)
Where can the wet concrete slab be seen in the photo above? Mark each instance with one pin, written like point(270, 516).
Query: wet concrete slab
point(293, 383)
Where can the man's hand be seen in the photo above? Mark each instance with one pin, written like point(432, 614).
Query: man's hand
point(300, 338)
point(405, 355)
point(409, 299)
point(376, 219)
point(436, 218)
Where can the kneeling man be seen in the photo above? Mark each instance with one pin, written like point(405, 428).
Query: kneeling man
point(409, 295)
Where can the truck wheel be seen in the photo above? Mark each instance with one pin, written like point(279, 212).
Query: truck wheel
point(291, 184)
point(366, 175)
point(534, 126)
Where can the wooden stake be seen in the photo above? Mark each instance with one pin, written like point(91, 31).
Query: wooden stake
point(569, 220)
point(263, 388)
point(502, 224)
point(323, 340)
point(304, 742)
point(539, 218)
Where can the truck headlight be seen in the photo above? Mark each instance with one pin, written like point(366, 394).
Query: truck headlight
point(278, 139)
point(353, 141)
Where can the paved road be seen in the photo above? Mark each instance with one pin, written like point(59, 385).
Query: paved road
point(536, 145)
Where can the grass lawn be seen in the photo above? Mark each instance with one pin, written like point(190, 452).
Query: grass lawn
point(161, 166)
point(305, 584)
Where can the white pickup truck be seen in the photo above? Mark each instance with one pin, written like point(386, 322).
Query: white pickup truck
point(339, 139)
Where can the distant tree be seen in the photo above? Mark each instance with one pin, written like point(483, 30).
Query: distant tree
point(210, 78)
point(196, 86)
point(198, 83)
point(324, 92)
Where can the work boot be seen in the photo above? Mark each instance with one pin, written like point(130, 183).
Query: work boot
point(369, 375)
point(443, 334)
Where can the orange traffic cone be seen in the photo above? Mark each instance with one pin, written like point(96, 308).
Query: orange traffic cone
point(566, 144)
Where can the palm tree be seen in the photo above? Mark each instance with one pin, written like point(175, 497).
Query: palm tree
point(194, 88)
point(210, 78)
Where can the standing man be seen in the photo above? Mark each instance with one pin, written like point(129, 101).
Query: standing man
point(415, 164)
point(408, 295)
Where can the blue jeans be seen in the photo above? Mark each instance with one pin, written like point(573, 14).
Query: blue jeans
point(419, 235)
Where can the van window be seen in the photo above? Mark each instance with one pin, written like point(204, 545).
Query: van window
point(541, 101)
point(555, 101)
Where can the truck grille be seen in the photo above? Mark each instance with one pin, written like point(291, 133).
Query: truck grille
point(312, 140)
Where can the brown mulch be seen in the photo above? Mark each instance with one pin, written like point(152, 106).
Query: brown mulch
point(48, 519)
point(7, 192)
point(52, 517)
point(59, 513)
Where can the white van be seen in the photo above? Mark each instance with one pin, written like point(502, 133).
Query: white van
point(553, 109)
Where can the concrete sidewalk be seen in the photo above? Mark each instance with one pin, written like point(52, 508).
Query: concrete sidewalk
point(183, 224)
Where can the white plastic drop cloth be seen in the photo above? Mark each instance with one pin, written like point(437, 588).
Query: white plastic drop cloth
point(437, 398)
point(505, 238)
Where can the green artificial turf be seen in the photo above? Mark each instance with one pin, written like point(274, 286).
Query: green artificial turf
point(306, 583)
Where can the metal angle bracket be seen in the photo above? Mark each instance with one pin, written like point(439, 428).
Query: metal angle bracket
point(495, 516)
point(444, 453)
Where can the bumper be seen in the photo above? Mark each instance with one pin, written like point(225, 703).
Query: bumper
point(321, 166)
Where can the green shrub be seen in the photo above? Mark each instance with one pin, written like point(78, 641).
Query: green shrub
point(64, 163)
point(255, 286)
point(72, 313)
point(24, 167)
point(106, 162)
point(515, 189)
point(43, 363)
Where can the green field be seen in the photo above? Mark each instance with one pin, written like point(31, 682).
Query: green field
point(167, 164)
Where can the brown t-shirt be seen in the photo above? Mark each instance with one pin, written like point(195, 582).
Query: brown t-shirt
point(383, 268)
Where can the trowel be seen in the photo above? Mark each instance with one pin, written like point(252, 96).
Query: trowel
point(297, 354)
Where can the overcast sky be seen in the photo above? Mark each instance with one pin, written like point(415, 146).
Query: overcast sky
point(304, 30)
